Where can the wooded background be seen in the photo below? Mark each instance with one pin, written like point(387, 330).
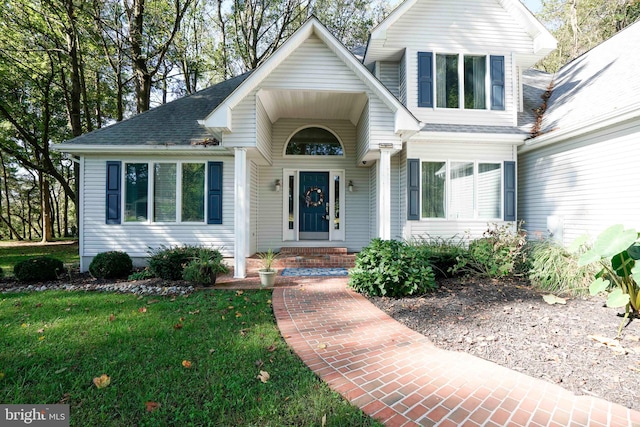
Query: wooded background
point(68, 67)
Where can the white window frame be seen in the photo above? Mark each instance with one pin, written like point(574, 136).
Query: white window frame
point(448, 189)
point(487, 81)
point(293, 235)
point(151, 189)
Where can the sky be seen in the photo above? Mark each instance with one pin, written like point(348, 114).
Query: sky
point(533, 5)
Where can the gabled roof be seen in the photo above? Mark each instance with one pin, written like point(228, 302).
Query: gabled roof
point(220, 118)
point(543, 41)
point(171, 124)
point(598, 88)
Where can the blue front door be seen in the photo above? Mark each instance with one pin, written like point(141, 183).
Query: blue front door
point(314, 205)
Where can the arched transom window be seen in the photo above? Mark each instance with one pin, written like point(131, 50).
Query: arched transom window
point(314, 141)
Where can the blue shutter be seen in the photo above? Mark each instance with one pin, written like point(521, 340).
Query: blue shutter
point(413, 189)
point(497, 83)
point(113, 198)
point(214, 193)
point(425, 79)
point(509, 191)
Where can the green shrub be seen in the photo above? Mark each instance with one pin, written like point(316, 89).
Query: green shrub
point(141, 275)
point(38, 269)
point(203, 269)
point(1, 273)
point(499, 253)
point(442, 253)
point(168, 263)
point(555, 269)
point(392, 268)
point(111, 265)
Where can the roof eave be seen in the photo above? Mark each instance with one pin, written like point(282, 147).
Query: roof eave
point(137, 149)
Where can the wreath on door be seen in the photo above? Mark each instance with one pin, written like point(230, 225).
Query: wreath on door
point(309, 201)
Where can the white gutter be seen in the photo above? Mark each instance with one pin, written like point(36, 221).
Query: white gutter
point(137, 149)
point(606, 120)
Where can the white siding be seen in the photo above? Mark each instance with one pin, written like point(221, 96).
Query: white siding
point(357, 216)
point(137, 238)
point(587, 184)
point(263, 142)
point(389, 76)
point(381, 124)
point(475, 26)
point(426, 151)
point(244, 132)
point(396, 207)
point(363, 133)
point(314, 66)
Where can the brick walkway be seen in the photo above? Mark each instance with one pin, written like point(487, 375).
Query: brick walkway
point(398, 377)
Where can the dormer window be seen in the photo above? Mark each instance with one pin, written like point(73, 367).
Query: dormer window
point(461, 81)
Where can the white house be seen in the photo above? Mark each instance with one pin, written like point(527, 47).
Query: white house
point(581, 174)
point(319, 148)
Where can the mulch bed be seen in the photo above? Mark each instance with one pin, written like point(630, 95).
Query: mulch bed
point(507, 322)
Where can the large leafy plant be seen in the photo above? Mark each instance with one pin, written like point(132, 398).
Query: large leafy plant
point(617, 249)
point(391, 268)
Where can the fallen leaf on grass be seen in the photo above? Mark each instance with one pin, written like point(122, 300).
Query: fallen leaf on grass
point(271, 348)
point(61, 370)
point(152, 301)
point(186, 364)
point(40, 331)
point(41, 337)
point(39, 304)
point(151, 406)
point(195, 312)
point(238, 293)
point(102, 381)
point(142, 310)
point(324, 420)
point(177, 326)
point(65, 398)
point(264, 376)
point(238, 314)
point(112, 317)
point(552, 299)
point(1, 375)
point(212, 350)
point(259, 363)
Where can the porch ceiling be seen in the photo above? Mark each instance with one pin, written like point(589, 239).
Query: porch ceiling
point(313, 104)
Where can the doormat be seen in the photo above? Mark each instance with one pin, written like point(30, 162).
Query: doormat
point(300, 272)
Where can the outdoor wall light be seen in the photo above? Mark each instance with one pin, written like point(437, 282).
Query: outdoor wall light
point(350, 186)
point(278, 185)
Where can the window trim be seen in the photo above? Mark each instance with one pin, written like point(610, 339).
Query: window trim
point(306, 156)
point(151, 191)
point(449, 196)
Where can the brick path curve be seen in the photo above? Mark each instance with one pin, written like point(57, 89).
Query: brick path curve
point(399, 377)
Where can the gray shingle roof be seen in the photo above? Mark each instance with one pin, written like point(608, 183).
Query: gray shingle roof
point(434, 127)
point(173, 123)
point(534, 84)
point(601, 81)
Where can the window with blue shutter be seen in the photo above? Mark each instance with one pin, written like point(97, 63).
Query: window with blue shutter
point(497, 83)
point(425, 79)
point(113, 198)
point(214, 193)
point(413, 189)
point(509, 191)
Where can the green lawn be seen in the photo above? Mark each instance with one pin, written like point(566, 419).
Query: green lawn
point(13, 252)
point(53, 344)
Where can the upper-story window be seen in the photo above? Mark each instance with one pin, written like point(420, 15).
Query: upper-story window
point(461, 81)
point(314, 141)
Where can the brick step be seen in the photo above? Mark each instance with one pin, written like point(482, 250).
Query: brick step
point(308, 258)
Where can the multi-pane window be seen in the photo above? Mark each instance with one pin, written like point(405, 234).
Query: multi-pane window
point(177, 189)
point(461, 190)
point(450, 88)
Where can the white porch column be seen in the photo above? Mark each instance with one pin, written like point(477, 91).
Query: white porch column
point(384, 192)
point(241, 214)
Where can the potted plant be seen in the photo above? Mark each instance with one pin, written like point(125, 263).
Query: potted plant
point(267, 273)
point(204, 267)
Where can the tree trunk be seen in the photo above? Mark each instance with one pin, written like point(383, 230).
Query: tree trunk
point(45, 208)
point(6, 196)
